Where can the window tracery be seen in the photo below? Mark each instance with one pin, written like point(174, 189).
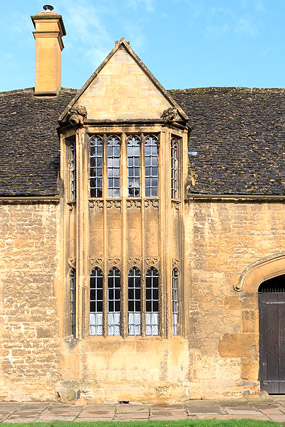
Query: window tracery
point(126, 297)
point(142, 161)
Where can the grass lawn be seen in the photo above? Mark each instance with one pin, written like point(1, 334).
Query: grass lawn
point(180, 423)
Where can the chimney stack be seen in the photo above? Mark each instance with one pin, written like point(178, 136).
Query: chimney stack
point(49, 30)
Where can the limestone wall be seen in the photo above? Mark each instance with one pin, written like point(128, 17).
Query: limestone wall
point(123, 91)
point(29, 339)
point(218, 355)
point(222, 239)
point(137, 369)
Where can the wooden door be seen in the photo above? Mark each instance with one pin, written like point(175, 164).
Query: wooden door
point(271, 301)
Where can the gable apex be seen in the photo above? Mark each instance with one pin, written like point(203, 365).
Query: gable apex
point(122, 87)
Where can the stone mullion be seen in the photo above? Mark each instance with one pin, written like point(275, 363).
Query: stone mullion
point(161, 231)
point(64, 318)
point(84, 178)
point(105, 242)
point(81, 234)
point(143, 290)
point(182, 276)
point(168, 239)
point(124, 272)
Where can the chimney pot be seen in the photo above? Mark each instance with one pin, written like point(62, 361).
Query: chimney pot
point(48, 7)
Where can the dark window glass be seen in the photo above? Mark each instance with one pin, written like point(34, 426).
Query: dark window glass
point(174, 168)
point(152, 302)
point(73, 301)
point(96, 302)
point(134, 302)
point(151, 169)
point(175, 300)
point(133, 149)
point(113, 166)
point(96, 166)
point(114, 302)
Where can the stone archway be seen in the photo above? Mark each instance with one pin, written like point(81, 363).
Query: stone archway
point(260, 271)
point(253, 276)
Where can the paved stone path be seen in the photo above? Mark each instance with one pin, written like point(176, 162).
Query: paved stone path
point(271, 409)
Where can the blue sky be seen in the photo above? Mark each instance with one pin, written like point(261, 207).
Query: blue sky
point(185, 43)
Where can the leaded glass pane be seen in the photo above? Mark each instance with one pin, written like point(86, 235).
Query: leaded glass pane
point(151, 166)
point(113, 166)
point(73, 170)
point(152, 302)
point(133, 148)
point(134, 302)
point(96, 302)
point(174, 168)
point(175, 300)
point(114, 302)
point(96, 166)
point(73, 301)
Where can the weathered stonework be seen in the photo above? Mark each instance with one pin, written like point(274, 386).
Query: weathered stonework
point(222, 239)
point(123, 91)
point(134, 369)
point(29, 340)
point(211, 227)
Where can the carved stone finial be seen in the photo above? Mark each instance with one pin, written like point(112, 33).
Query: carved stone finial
point(76, 115)
point(169, 115)
point(71, 262)
point(190, 183)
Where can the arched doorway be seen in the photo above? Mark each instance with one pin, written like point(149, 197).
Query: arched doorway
point(271, 302)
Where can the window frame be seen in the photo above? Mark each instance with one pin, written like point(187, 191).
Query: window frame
point(175, 300)
point(152, 276)
point(114, 323)
point(130, 179)
point(124, 138)
point(96, 274)
point(137, 301)
point(71, 153)
point(73, 311)
point(151, 177)
point(124, 313)
point(179, 159)
point(94, 170)
point(89, 208)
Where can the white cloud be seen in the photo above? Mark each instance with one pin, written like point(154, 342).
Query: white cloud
point(147, 5)
point(259, 6)
point(87, 33)
point(244, 25)
point(214, 32)
point(224, 20)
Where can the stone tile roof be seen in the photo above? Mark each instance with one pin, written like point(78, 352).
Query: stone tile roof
point(29, 147)
point(238, 135)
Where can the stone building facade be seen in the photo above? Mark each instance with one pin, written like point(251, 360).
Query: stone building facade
point(140, 230)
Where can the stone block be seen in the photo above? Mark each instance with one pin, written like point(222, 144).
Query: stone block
point(238, 345)
point(250, 321)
